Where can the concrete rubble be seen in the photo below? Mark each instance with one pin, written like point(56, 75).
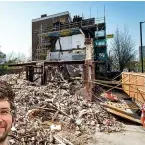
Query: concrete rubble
point(56, 109)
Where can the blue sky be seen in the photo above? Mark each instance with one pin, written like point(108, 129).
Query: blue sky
point(16, 19)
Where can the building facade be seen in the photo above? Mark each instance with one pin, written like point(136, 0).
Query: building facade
point(73, 48)
point(37, 26)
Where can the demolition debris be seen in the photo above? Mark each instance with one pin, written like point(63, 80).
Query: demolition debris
point(56, 113)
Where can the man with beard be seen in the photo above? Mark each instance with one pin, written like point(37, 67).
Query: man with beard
point(6, 111)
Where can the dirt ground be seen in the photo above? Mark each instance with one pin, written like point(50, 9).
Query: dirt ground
point(132, 135)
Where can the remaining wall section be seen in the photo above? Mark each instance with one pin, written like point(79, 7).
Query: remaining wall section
point(70, 42)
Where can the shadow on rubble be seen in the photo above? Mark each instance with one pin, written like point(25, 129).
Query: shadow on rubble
point(126, 121)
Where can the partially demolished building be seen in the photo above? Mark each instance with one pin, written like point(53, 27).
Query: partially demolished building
point(64, 43)
point(59, 37)
point(37, 26)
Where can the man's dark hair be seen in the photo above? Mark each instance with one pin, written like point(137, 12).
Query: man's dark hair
point(6, 93)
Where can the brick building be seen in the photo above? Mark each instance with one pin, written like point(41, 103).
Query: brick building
point(37, 26)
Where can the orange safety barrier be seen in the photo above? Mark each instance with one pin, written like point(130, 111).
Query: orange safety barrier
point(143, 115)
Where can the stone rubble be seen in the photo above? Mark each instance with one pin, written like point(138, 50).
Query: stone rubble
point(39, 107)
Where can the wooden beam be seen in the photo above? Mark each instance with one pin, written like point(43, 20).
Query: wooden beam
point(124, 115)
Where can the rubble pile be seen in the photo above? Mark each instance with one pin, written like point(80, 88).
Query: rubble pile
point(43, 111)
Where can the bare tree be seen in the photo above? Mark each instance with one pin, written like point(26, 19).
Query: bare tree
point(13, 57)
point(21, 57)
point(123, 50)
point(10, 55)
point(29, 58)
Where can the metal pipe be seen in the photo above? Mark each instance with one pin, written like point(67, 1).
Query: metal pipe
point(141, 53)
point(141, 49)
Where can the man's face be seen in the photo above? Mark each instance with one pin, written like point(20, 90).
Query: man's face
point(5, 120)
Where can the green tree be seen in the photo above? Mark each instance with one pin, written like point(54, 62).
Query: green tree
point(12, 59)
